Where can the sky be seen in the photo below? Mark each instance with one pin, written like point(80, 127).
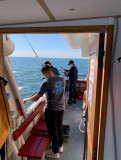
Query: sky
point(45, 45)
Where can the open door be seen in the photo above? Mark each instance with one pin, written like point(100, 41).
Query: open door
point(93, 95)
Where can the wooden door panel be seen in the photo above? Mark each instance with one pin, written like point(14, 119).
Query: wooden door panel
point(91, 111)
point(94, 92)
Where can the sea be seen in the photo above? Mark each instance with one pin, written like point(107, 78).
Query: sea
point(28, 73)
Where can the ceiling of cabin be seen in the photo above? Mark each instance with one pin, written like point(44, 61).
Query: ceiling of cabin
point(30, 11)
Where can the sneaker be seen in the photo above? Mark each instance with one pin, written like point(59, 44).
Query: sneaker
point(51, 154)
point(48, 151)
point(61, 149)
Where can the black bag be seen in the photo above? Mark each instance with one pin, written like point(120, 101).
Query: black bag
point(66, 130)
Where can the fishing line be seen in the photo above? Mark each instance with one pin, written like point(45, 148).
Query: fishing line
point(43, 54)
point(33, 50)
point(53, 60)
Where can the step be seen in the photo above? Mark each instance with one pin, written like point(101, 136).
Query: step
point(34, 147)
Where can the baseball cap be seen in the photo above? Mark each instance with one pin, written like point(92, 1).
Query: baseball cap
point(47, 62)
point(70, 62)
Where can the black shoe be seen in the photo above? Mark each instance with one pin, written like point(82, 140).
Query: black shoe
point(74, 102)
point(69, 102)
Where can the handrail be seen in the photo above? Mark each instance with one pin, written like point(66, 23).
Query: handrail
point(78, 75)
point(82, 75)
point(60, 74)
point(65, 75)
point(24, 125)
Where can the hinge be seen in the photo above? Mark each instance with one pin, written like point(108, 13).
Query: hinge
point(95, 153)
point(101, 57)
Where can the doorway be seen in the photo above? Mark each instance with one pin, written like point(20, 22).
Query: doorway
point(97, 134)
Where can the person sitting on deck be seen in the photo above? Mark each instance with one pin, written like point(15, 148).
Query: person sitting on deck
point(55, 70)
point(54, 87)
point(73, 76)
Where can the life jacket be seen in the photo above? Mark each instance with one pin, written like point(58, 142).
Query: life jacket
point(5, 117)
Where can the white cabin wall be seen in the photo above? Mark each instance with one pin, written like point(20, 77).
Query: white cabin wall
point(85, 45)
point(109, 146)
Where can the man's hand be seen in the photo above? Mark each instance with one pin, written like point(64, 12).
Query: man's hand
point(35, 97)
point(63, 71)
point(24, 101)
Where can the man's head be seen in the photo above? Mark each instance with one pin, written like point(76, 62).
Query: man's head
point(48, 62)
point(47, 71)
point(71, 63)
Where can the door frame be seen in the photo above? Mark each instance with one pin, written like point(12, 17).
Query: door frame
point(106, 69)
point(1, 57)
point(104, 93)
point(58, 29)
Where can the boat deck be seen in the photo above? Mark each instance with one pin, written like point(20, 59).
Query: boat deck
point(73, 146)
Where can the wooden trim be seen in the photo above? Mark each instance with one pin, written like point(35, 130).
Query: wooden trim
point(1, 57)
point(104, 94)
point(1, 60)
point(64, 29)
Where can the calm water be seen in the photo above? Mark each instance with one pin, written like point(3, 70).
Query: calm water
point(28, 73)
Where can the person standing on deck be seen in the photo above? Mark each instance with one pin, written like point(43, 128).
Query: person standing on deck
point(54, 87)
point(55, 70)
point(73, 76)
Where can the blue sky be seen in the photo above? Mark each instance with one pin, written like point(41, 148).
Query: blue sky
point(45, 45)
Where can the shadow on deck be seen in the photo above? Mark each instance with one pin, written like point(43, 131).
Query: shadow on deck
point(73, 146)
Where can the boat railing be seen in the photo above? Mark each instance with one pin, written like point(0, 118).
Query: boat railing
point(79, 76)
point(83, 77)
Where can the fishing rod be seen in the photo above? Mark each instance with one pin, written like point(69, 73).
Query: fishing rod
point(33, 50)
point(43, 54)
point(54, 62)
